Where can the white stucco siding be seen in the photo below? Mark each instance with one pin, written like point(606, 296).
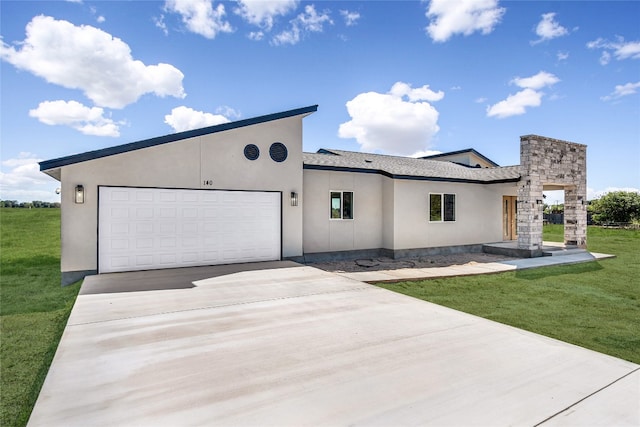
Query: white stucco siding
point(478, 214)
point(323, 234)
point(388, 213)
point(215, 161)
point(224, 164)
point(160, 166)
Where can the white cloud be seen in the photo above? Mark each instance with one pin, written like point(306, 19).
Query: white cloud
point(200, 16)
point(619, 49)
point(389, 123)
point(450, 17)
point(400, 90)
point(308, 21)
point(605, 58)
point(99, 19)
point(350, 18)
point(24, 181)
point(184, 118)
point(90, 121)
point(256, 35)
point(263, 13)
point(91, 60)
point(159, 21)
point(537, 81)
point(622, 90)
point(228, 112)
point(530, 96)
point(515, 104)
point(548, 29)
point(562, 56)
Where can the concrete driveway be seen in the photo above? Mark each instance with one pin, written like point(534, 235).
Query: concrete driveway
point(293, 345)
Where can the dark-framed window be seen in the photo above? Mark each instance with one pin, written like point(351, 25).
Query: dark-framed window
point(341, 205)
point(442, 207)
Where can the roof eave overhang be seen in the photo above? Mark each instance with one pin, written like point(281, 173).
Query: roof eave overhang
point(119, 149)
point(408, 177)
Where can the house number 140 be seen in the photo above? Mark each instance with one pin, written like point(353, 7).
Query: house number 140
point(207, 182)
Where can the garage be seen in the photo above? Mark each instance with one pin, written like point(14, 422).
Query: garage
point(154, 228)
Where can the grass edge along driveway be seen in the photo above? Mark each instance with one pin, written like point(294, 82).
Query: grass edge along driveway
point(595, 305)
point(34, 307)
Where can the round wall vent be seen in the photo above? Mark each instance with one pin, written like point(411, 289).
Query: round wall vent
point(278, 152)
point(251, 151)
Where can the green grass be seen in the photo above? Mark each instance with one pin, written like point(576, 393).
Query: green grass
point(594, 305)
point(34, 307)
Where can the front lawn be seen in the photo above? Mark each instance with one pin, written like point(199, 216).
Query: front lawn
point(34, 307)
point(594, 305)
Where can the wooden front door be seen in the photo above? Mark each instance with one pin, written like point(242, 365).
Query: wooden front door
point(509, 221)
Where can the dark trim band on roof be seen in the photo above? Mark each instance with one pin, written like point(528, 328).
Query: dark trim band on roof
point(119, 149)
point(408, 177)
point(468, 150)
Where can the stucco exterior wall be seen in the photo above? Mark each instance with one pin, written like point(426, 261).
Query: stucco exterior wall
point(215, 161)
point(323, 234)
point(394, 214)
point(478, 214)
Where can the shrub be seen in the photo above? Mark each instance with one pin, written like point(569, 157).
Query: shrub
point(617, 206)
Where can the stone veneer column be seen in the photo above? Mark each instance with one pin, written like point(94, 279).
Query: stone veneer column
point(530, 207)
point(558, 164)
point(575, 217)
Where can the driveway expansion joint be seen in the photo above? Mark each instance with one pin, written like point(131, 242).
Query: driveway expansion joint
point(587, 397)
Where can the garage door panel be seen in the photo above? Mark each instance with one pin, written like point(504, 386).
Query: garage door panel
point(142, 229)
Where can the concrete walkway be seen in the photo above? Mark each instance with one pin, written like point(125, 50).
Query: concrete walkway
point(403, 274)
point(283, 344)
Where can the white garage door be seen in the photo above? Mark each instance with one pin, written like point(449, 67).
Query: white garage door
point(150, 228)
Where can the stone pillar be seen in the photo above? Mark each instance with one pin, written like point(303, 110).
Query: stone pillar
point(530, 214)
point(530, 200)
point(555, 164)
point(575, 217)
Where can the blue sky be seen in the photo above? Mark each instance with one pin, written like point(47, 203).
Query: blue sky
point(392, 77)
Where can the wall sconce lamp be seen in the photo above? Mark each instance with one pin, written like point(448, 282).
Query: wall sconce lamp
point(294, 198)
point(79, 194)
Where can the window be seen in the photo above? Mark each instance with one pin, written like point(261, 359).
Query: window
point(342, 205)
point(442, 207)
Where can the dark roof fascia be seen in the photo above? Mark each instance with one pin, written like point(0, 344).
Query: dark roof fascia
point(132, 146)
point(325, 151)
point(468, 150)
point(407, 177)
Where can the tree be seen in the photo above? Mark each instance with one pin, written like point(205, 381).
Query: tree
point(617, 206)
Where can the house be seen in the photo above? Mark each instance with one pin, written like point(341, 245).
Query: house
point(244, 191)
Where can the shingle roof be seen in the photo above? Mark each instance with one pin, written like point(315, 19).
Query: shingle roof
point(407, 167)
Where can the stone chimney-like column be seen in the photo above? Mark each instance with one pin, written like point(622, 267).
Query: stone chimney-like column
point(553, 164)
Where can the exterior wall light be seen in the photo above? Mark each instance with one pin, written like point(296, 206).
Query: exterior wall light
point(294, 198)
point(79, 194)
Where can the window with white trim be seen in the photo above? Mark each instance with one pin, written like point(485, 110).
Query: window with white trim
point(442, 207)
point(341, 205)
